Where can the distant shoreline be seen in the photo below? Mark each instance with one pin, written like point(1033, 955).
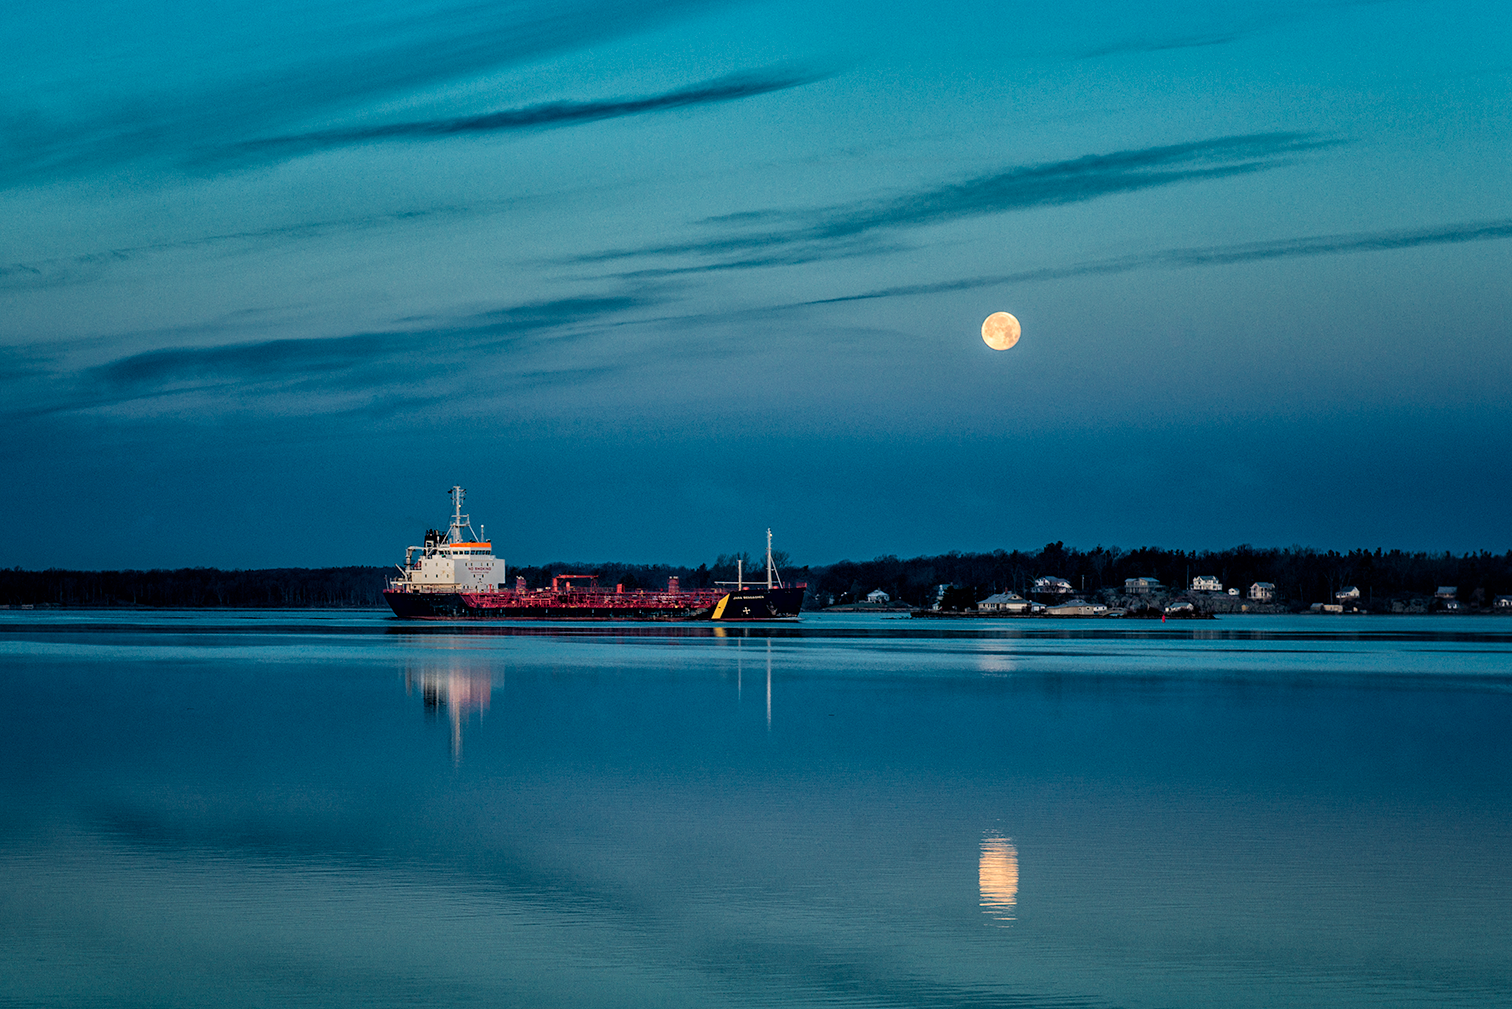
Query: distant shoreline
point(894, 611)
point(1294, 579)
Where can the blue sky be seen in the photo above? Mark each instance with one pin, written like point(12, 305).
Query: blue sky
point(649, 278)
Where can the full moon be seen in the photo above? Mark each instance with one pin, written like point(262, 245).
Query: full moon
point(1000, 331)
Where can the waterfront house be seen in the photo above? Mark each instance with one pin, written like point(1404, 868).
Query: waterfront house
point(1052, 586)
point(1141, 586)
point(1207, 583)
point(1076, 608)
point(1347, 594)
point(1502, 604)
point(878, 596)
point(1446, 592)
point(1263, 592)
point(1004, 602)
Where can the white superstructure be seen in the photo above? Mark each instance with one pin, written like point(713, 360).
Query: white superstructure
point(460, 561)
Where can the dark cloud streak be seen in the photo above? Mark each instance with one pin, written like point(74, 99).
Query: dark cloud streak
point(63, 270)
point(1163, 45)
point(1075, 180)
point(725, 89)
point(297, 358)
point(1249, 252)
point(1227, 25)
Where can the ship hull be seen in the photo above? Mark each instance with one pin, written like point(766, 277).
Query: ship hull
point(760, 604)
point(551, 605)
point(421, 605)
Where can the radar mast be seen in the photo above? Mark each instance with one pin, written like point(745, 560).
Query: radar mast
point(459, 521)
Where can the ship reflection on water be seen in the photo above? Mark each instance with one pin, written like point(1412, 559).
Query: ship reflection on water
point(998, 877)
point(740, 674)
point(460, 691)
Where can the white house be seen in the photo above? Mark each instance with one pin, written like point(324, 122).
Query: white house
point(1502, 603)
point(1052, 586)
point(1207, 583)
point(1141, 586)
point(1262, 592)
point(878, 596)
point(1347, 594)
point(1004, 602)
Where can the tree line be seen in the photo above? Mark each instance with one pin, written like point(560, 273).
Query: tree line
point(346, 587)
point(1301, 575)
point(349, 587)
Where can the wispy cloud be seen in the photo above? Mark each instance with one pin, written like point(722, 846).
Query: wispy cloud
point(20, 364)
point(1155, 45)
point(509, 347)
point(1025, 187)
point(724, 89)
point(327, 358)
point(1207, 25)
point(241, 79)
point(1213, 255)
point(63, 270)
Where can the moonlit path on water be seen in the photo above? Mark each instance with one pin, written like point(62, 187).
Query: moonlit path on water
point(297, 808)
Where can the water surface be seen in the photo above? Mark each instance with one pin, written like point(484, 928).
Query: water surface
point(321, 808)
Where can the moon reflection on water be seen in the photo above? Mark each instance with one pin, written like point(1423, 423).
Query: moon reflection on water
point(998, 877)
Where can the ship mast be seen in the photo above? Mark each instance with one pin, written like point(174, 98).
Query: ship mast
point(769, 558)
point(459, 521)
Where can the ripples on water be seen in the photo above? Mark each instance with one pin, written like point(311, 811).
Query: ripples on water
point(340, 809)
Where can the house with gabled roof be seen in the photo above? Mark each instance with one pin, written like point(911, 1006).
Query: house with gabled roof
point(1004, 602)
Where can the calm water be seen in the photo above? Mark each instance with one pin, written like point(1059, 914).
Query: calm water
point(295, 808)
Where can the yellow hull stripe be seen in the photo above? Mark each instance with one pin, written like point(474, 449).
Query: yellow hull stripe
point(719, 609)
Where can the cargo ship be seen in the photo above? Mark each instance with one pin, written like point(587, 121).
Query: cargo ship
point(455, 575)
point(775, 601)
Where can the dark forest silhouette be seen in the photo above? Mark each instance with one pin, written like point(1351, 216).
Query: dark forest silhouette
point(1302, 575)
